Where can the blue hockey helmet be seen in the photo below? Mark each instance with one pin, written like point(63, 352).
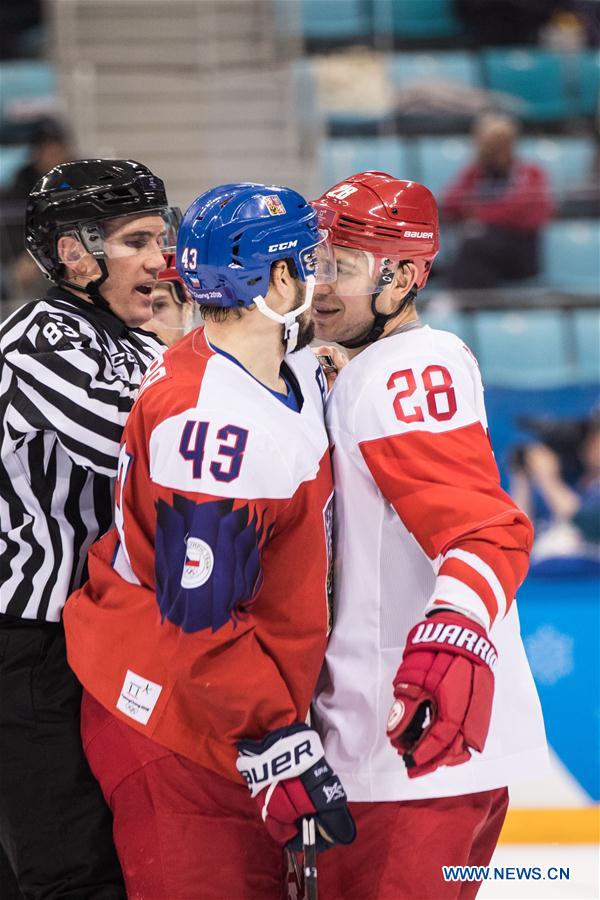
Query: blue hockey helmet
point(231, 235)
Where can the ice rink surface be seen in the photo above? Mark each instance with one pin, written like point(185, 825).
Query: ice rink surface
point(582, 861)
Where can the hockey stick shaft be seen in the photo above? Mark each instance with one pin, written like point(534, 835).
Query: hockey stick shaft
point(309, 847)
point(295, 879)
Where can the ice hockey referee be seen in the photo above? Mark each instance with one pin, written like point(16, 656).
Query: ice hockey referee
point(70, 365)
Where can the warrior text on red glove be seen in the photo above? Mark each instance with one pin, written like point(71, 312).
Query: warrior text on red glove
point(444, 690)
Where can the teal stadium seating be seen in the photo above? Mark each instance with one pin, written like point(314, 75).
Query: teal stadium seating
point(439, 160)
point(335, 20)
point(567, 161)
point(447, 251)
point(447, 67)
point(536, 348)
point(587, 344)
point(416, 19)
point(588, 82)
point(341, 157)
point(539, 77)
point(450, 320)
point(27, 89)
point(571, 256)
point(522, 347)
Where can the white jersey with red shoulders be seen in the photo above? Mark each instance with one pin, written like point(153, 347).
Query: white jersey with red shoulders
point(421, 522)
point(205, 617)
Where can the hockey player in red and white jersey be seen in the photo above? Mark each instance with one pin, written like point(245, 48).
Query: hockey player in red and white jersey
point(201, 631)
point(429, 554)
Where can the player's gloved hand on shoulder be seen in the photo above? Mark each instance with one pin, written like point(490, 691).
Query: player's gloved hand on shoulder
point(444, 690)
point(290, 778)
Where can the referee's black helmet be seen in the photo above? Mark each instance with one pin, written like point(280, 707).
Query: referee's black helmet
point(82, 191)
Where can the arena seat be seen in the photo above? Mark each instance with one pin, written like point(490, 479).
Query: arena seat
point(414, 19)
point(449, 234)
point(587, 343)
point(570, 255)
point(567, 161)
point(349, 122)
point(28, 89)
point(538, 77)
point(449, 320)
point(440, 159)
point(341, 157)
point(335, 19)
point(588, 81)
point(448, 67)
point(522, 347)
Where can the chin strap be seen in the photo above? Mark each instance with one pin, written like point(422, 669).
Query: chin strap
point(289, 320)
point(92, 288)
point(380, 320)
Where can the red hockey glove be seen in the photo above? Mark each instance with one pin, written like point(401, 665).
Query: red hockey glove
point(444, 690)
point(288, 775)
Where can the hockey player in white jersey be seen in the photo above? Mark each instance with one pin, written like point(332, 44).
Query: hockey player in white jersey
point(426, 705)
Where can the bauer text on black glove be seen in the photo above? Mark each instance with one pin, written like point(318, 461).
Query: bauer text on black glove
point(290, 778)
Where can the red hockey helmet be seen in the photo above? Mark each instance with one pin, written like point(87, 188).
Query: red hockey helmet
point(396, 221)
point(172, 275)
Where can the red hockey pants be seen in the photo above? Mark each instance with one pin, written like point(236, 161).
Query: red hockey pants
point(181, 831)
point(401, 848)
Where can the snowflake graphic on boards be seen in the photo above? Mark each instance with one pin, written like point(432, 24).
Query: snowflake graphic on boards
point(550, 654)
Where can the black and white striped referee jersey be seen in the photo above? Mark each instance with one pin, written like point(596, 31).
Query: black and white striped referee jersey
point(69, 373)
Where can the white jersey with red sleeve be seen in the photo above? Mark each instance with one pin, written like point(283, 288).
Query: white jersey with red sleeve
point(420, 522)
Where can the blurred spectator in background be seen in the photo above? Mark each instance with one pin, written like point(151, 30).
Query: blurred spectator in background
point(506, 21)
point(172, 306)
point(574, 25)
point(556, 480)
point(587, 13)
point(566, 24)
point(502, 203)
point(51, 145)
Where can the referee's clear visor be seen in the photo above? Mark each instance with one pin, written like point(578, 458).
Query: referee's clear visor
point(361, 273)
point(130, 235)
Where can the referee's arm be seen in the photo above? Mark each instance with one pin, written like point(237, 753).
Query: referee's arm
point(72, 390)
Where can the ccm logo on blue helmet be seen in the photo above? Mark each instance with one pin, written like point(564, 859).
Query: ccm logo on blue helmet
point(286, 245)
